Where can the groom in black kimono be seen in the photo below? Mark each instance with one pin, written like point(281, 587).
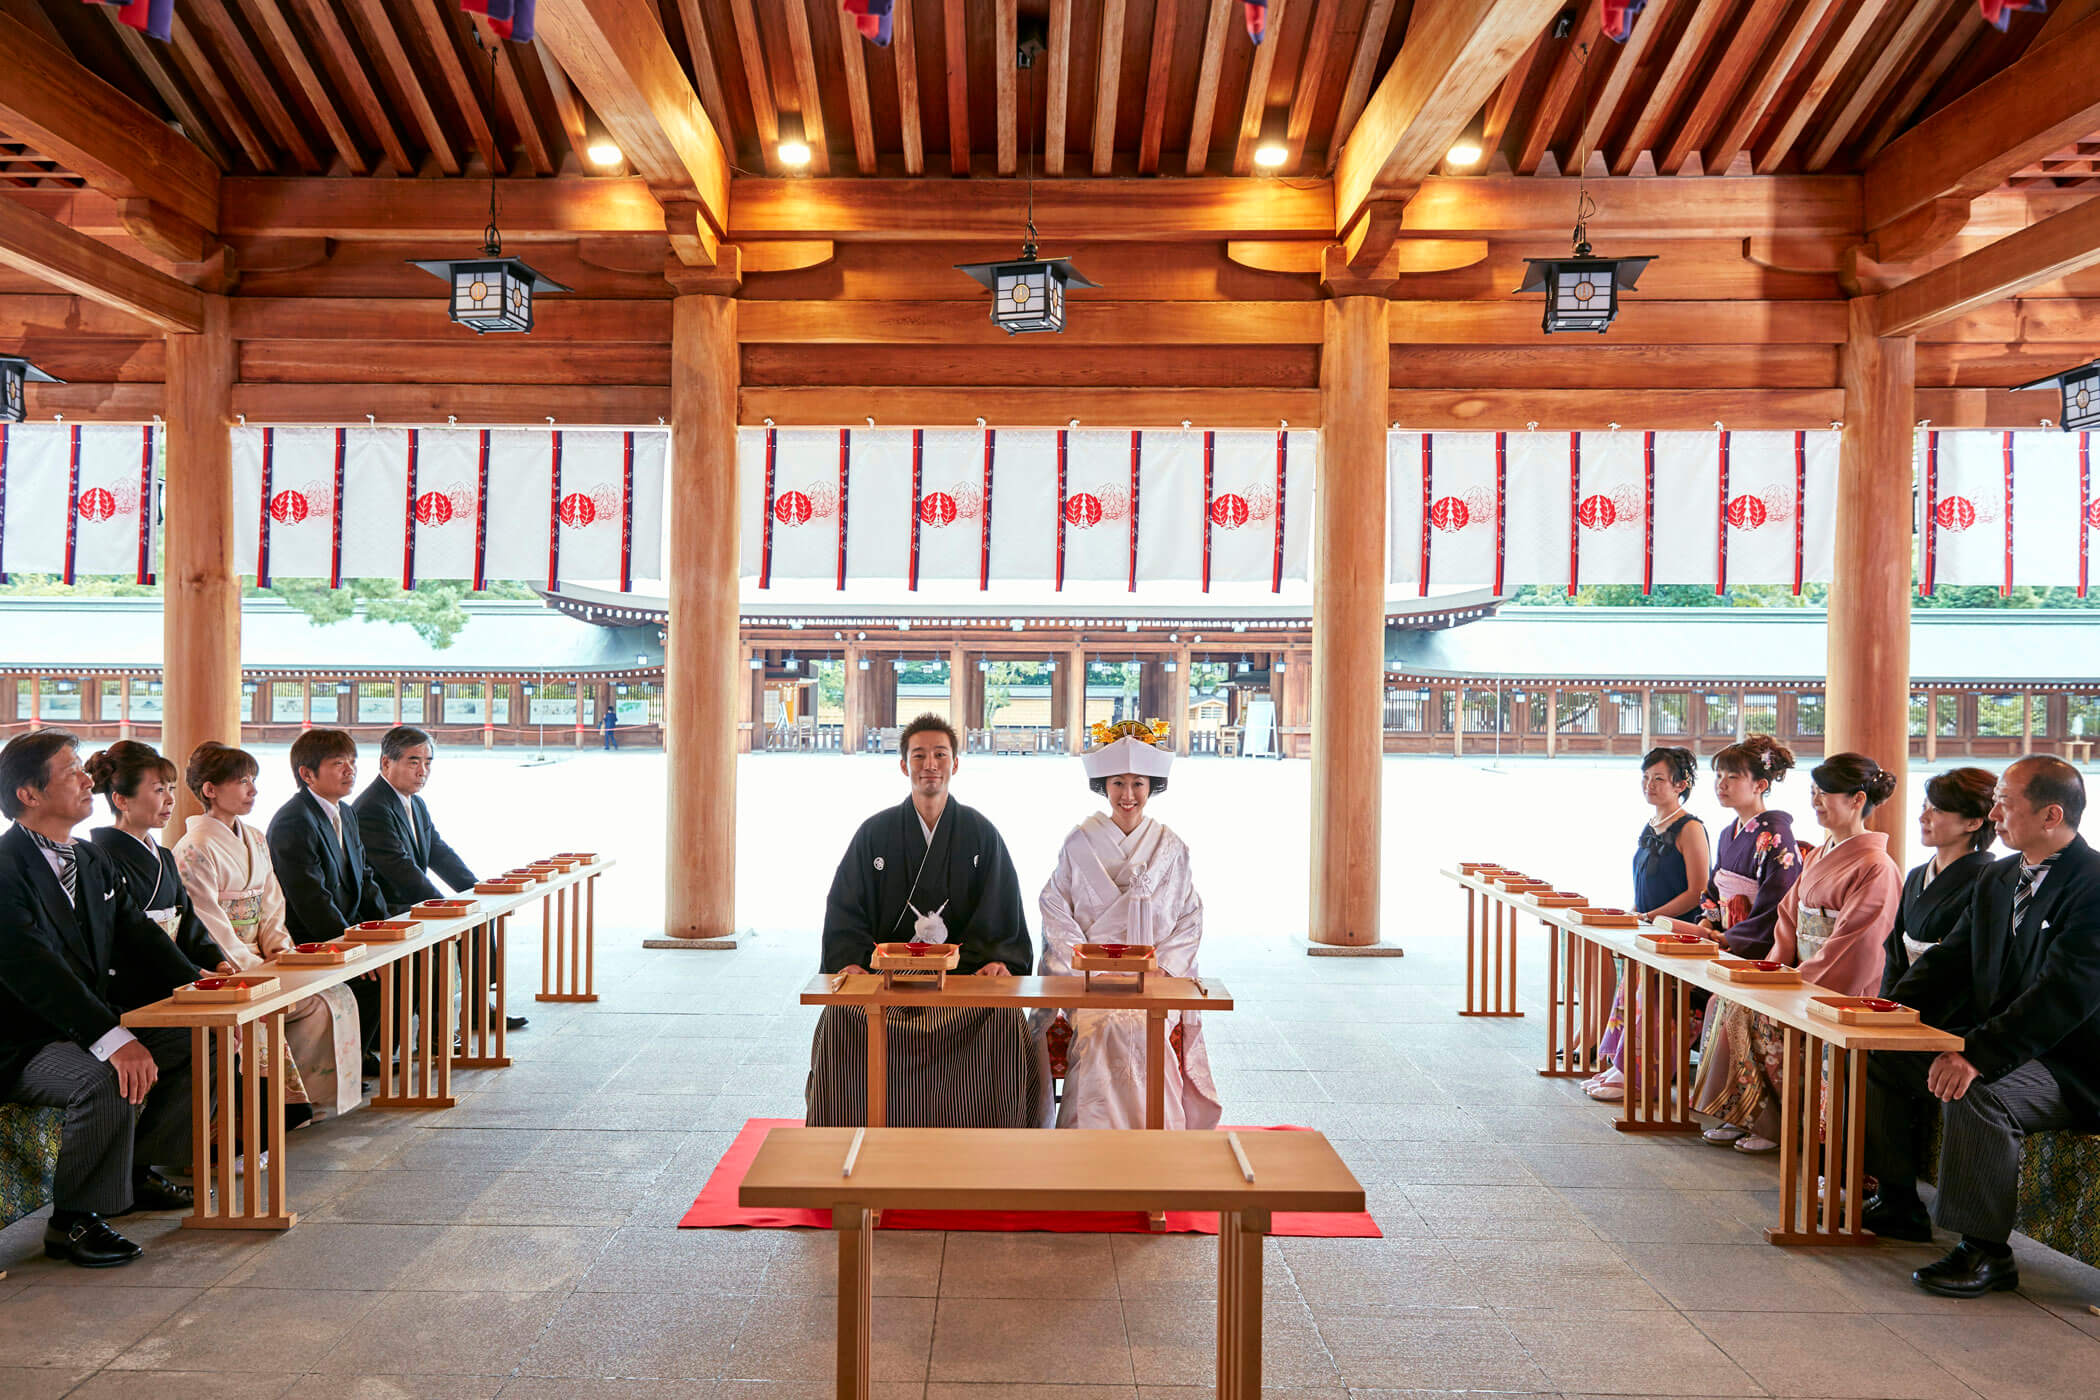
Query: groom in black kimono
point(933, 869)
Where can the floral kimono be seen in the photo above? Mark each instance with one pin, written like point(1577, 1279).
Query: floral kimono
point(229, 879)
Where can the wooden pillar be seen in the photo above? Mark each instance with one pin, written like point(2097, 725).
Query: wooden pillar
point(1075, 700)
point(1179, 703)
point(1349, 621)
point(2026, 725)
point(1932, 725)
point(1869, 633)
point(1553, 718)
point(200, 593)
point(850, 735)
point(701, 684)
point(959, 674)
point(1458, 721)
point(124, 706)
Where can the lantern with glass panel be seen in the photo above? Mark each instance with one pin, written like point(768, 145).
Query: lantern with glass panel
point(16, 374)
point(1582, 290)
point(2081, 396)
point(492, 292)
point(1028, 294)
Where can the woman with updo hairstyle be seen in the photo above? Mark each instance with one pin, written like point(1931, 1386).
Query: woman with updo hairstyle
point(1832, 925)
point(225, 865)
point(140, 787)
point(1954, 823)
point(1669, 873)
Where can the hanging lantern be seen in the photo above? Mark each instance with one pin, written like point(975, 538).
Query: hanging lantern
point(1582, 291)
point(2081, 396)
point(15, 374)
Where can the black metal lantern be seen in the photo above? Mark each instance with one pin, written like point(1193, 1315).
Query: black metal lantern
point(15, 374)
point(2081, 396)
point(1028, 294)
point(1582, 290)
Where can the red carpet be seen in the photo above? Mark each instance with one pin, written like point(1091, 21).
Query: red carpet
point(717, 1207)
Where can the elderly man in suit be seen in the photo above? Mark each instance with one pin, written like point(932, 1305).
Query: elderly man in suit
point(403, 843)
point(2019, 979)
point(76, 953)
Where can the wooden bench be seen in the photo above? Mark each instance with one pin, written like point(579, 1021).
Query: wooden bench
point(854, 1173)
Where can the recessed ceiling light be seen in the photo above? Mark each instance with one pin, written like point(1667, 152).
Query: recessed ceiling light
point(602, 153)
point(792, 148)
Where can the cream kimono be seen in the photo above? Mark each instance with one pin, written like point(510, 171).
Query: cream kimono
point(230, 881)
point(1112, 888)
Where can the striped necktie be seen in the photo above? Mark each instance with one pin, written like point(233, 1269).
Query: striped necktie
point(2024, 891)
point(68, 863)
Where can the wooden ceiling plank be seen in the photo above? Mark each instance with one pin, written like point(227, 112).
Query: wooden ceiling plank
point(1370, 43)
point(1967, 25)
point(1057, 87)
point(804, 54)
point(757, 82)
point(196, 67)
point(255, 84)
point(1502, 106)
point(568, 107)
point(2061, 16)
point(1700, 27)
point(376, 26)
point(1772, 152)
point(469, 93)
point(1568, 70)
point(1159, 75)
point(1006, 76)
point(857, 108)
point(1753, 28)
point(1108, 77)
point(1222, 13)
point(904, 46)
point(1889, 61)
point(1753, 106)
point(1452, 61)
point(152, 60)
point(1604, 105)
point(1256, 107)
point(67, 114)
point(2029, 109)
point(348, 70)
point(511, 87)
point(2055, 247)
point(707, 75)
point(1312, 71)
point(956, 46)
point(46, 249)
point(275, 28)
point(1022, 407)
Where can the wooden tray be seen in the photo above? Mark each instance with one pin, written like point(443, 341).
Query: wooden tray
point(580, 857)
point(1478, 867)
point(1744, 972)
point(1854, 1011)
point(1605, 918)
point(1512, 879)
point(381, 931)
point(1556, 899)
point(442, 909)
point(518, 886)
point(1139, 959)
point(921, 964)
point(562, 863)
point(1678, 945)
point(526, 872)
point(247, 987)
point(323, 955)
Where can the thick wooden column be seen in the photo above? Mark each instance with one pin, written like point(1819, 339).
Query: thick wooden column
point(1868, 694)
point(701, 656)
point(1075, 700)
point(1178, 706)
point(850, 737)
point(1349, 622)
point(200, 593)
point(959, 674)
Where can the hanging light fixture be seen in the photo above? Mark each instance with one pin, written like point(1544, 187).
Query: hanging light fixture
point(2081, 396)
point(1028, 294)
point(15, 373)
point(491, 292)
point(1582, 290)
point(792, 147)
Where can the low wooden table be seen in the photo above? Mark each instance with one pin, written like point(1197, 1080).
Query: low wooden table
point(569, 932)
point(1161, 995)
point(1027, 1169)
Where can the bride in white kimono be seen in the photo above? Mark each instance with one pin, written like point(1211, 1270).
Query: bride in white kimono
point(1123, 877)
point(225, 866)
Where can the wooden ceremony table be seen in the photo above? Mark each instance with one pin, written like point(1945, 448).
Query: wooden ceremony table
point(1161, 995)
point(1488, 993)
point(569, 932)
point(1073, 1169)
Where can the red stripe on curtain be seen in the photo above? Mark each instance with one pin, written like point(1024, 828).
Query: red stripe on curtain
point(72, 505)
point(145, 571)
point(408, 527)
point(262, 532)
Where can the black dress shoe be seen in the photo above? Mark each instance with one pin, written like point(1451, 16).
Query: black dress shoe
point(1968, 1272)
point(152, 1191)
point(1891, 1221)
point(90, 1243)
point(515, 1023)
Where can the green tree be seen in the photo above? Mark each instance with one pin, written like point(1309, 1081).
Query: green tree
point(434, 607)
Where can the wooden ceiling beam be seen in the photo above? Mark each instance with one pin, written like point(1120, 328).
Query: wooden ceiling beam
point(707, 76)
point(255, 83)
point(1779, 142)
point(1006, 85)
point(758, 83)
point(1604, 105)
point(1660, 410)
point(1255, 109)
point(1752, 107)
point(462, 77)
point(1700, 27)
point(1370, 44)
point(1312, 70)
point(2043, 252)
point(1915, 27)
point(857, 108)
point(568, 404)
point(2031, 108)
point(568, 107)
point(1502, 107)
point(1205, 114)
point(803, 51)
point(348, 70)
point(616, 54)
point(1455, 54)
point(46, 249)
point(154, 60)
point(66, 113)
point(1099, 210)
point(1159, 76)
point(1029, 407)
point(1968, 25)
point(274, 27)
point(60, 316)
point(511, 85)
point(1568, 70)
point(383, 39)
point(904, 48)
point(1721, 86)
point(1057, 86)
point(1516, 206)
point(955, 39)
point(1108, 79)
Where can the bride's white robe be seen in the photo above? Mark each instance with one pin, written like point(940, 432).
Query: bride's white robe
point(1112, 888)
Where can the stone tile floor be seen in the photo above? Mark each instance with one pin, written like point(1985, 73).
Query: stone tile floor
point(523, 1244)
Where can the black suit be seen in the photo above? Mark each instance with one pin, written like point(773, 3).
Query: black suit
point(328, 886)
point(68, 971)
point(2025, 1003)
point(404, 849)
point(1927, 913)
point(149, 873)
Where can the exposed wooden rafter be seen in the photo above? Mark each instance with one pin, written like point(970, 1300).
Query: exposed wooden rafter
point(1006, 85)
point(1913, 28)
point(1804, 104)
point(1370, 43)
point(347, 71)
point(1569, 66)
point(2042, 252)
point(1755, 103)
point(1255, 109)
point(758, 83)
point(376, 27)
point(1108, 78)
point(904, 45)
point(857, 109)
point(1057, 86)
point(47, 250)
point(1604, 105)
point(800, 48)
point(1159, 70)
point(1718, 93)
point(1700, 27)
point(273, 26)
point(1205, 114)
point(254, 82)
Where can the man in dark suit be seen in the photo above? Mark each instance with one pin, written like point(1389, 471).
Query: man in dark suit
point(319, 857)
point(403, 842)
point(76, 952)
point(2019, 979)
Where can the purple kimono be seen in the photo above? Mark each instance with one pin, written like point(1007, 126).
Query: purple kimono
point(1764, 862)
